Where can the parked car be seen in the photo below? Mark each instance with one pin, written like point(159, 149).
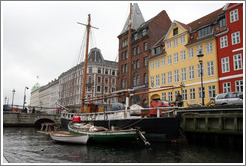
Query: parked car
point(229, 98)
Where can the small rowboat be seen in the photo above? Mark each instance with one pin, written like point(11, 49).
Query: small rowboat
point(66, 137)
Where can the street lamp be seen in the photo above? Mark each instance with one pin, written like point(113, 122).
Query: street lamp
point(13, 98)
point(200, 55)
point(24, 97)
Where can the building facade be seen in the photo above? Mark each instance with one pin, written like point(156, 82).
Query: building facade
point(101, 79)
point(144, 35)
point(180, 65)
point(229, 37)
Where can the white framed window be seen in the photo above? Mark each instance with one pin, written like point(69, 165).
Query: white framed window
point(163, 78)
point(183, 74)
point(211, 91)
point(169, 45)
point(237, 61)
point(176, 75)
point(152, 65)
point(157, 63)
point(175, 42)
point(175, 57)
point(235, 38)
point(225, 65)
point(182, 39)
point(164, 96)
point(157, 80)
point(145, 46)
point(152, 81)
point(145, 78)
point(209, 47)
point(199, 70)
point(163, 62)
point(192, 94)
point(210, 68)
point(138, 80)
point(170, 96)
point(184, 94)
point(226, 87)
point(191, 52)
point(239, 86)
point(234, 15)
point(182, 55)
point(223, 42)
point(145, 61)
point(169, 75)
point(191, 72)
point(169, 59)
point(138, 64)
point(200, 92)
point(199, 49)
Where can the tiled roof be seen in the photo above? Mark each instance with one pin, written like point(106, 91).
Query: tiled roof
point(183, 25)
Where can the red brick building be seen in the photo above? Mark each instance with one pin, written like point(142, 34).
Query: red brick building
point(229, 39)
point(144, 35)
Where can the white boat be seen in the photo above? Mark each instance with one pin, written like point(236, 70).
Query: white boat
point(66, 137)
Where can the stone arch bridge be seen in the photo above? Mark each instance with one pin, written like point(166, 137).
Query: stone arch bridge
point(29, 119)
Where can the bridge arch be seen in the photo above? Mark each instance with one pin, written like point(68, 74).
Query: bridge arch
point(38, 122)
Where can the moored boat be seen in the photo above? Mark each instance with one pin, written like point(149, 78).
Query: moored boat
point(66, 137)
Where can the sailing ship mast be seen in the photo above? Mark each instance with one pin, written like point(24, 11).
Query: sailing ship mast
point(129, 58)
point(88, 26)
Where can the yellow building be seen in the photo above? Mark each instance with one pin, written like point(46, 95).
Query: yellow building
point(179, 64)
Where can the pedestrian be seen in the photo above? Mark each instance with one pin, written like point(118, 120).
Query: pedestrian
point(179, 100)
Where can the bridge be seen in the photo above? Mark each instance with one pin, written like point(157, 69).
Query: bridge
point(17, 119)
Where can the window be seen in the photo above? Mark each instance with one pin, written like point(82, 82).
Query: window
point(123, 83)
point(145, 78)
point(210, 68)
point(126, 67)
point(164, 96)
point(134, 81)
point(222, 23)
point(138, 49)
point(145, 46)
point(123, 68)
point(113, 72)
point(152, 81)
point(98, 79)
point(200, 92)
point(163, 62)
point(134, 51)
point(192, 94)
point(226, 87)
point(126, 53)
point(123, 55)
point(184, 94)
point(106, 89)
point(156, 50)
point(175, 42)
point(106, 71)
point(204, 32)
point(169, 45)
point(138, 80)
point(239, 86)
point(225, 65)
point(169, 59)
point(176, 75)
point(98, 88)
point(175, 57)
point(170, 96)
point(175, 31)
point(169, 75)
point(157, 80)
point(183, 56)
point(191, 53)
point(183, 74)
point(182, 39)
point(237, 61)
point(145, 61)
point(209, 47)
point(157, 63)
point(135, 36)
point(234, 15)
point(138, 64)
point(99, 70)
point(124, 43)
point(191, 72)
point(211, 91)
point(235, 38)
point(152, 65)
point(90, 69)
point(199, 50)
point(199, 70)
point(163, 78)
point(106, 80)
point(223, 42)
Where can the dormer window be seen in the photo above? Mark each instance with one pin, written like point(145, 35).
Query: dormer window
point(175, 31)
point(144, 32)
point(205, 31)
point(136, 36)
point(222, 23)
point(156, 50)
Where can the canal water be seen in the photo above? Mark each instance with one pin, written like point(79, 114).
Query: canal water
point(26, 145)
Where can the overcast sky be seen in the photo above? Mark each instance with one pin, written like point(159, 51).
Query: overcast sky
point(43, 38)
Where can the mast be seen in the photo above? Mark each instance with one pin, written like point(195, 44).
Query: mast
point(129, 58)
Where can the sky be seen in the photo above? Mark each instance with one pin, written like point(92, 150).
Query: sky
point(42, 38)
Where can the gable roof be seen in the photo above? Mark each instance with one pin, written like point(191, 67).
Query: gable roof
point(182, 25)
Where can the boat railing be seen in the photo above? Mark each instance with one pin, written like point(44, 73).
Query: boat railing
point(122, 114)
